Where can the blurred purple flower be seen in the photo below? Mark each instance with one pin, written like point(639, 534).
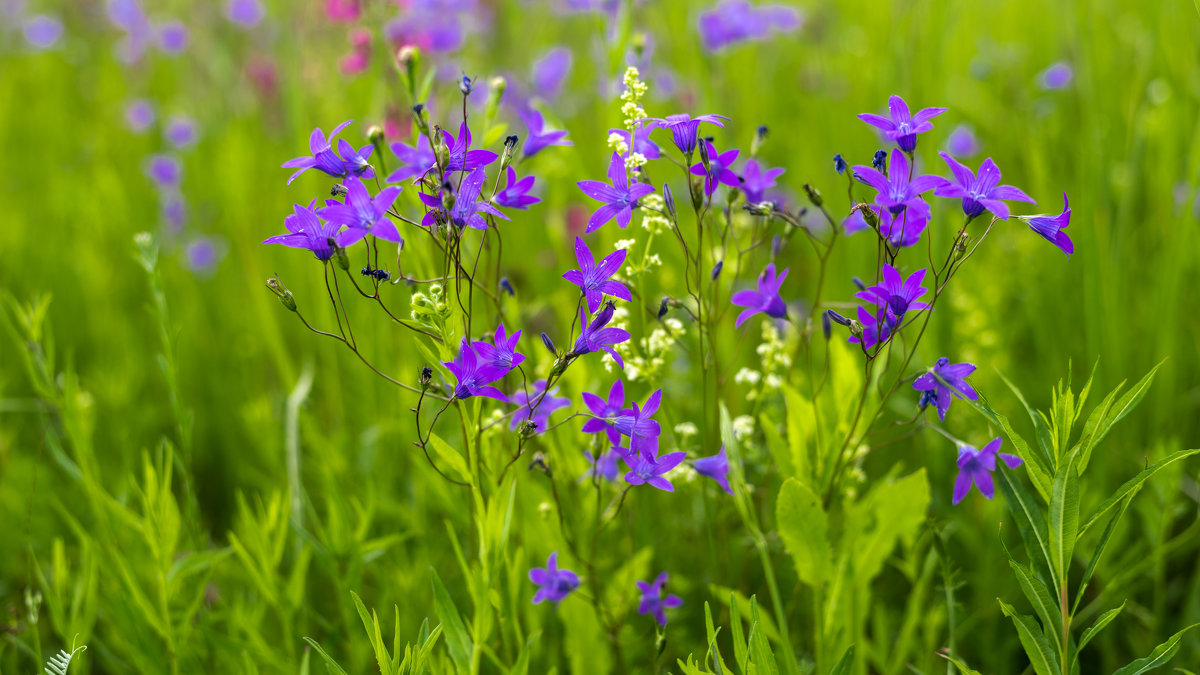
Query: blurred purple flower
point(415, 160)
point(245, 13)
point(362, 214)
point(618, 196)
point(515, 194)
point(755, 181)
point(172, 37)
point(684, 129)
point(180, 131)
point(979, 192)
point(1057, 76)
point(1051, 227)
point(550, 71)
point(594, 278)
point(42, 31)
point(139, 115)
point(976, 466)
point(345, 11)
point(962, 142)
point(900, 231)
point(544, 406)
point(166, 171)
point(430, 30)
point(605, 412)
point(735, 21)
point(306, 231)
point(765, 300)
point(538, 138)
point(896, 191)
point(943, 381)
point(716, 468)
point(553, 584)
point(653, 602)
point(203, 254)
point(174, 212)
point(606, 467)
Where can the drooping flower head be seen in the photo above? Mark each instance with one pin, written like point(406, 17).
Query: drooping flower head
point(979, 193)
point(605, 411)
point(415, 160)
point(306, 231)
point(685, 129)
point(653, 602)
point(976, 466)
point(461, 157)
point(902, 127)
point(716, 468)
point(943, 381)
point(501, 355)
point(765, 300)
point(895, 191)
point(594, 279)
point(323, 158)
point(471, 380)
point(515, 194)
point(538, 138)
point(543, 406)
point(597, 335)
point(618, 196)
point(363, 214)
point(1051, 227)
point(718, 170)
point(649, 470)
point(553, 584)
point(756, 180)
point(896, 295)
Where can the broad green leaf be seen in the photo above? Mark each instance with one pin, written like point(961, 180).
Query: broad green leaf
point(780, 449)
point(845, 664)
point(1132, 484)
point(1094, 434)
point(1036, 464)
point(1105, 619)
point(1030, 522)
point(800, 423)
point(457, 638)
point(1064, 517)
point(804, 528)
point(330, 664)
point(1043, 603)
point(887, 514)
point(1037, 647)
point(449, 459)
point(1159, 657)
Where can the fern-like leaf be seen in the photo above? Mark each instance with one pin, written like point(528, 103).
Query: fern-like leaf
point(60, 662)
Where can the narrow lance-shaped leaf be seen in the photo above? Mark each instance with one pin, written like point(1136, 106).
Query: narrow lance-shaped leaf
point(1064, 518)
point(1036, 466)
point(1099, 551)
point(1105, 619)
point(1159, 657)
point(457, 638)
point(1118, 411)
point(1132, 484)
point(1030, 523)
point(1037, 647)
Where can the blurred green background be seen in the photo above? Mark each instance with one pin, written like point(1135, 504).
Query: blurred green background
point(1122, 140)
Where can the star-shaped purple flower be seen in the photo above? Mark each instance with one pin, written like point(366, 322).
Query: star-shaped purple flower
point(943, 381)
point(1051, 227)
point(306, 231)
point(647, 469)
point(355, 161)
point(362, 214)
point(542, 410)
point(756, 181)
point(873, 331)
point(618, 196)
point(716, 468)
point(896, 191)
point(594, 278)
point(637, 425)
point(415, 160)
point(471, 380)
point(597, 335)
point(467, 206)
point(718, 168)
point(976, 466)
point(902, 127)
point(653, 602)
point(501, 356)
point(979, 192)
point(539, 139)
point(554, 584)
point(460, 157)
point(765, 300)
point(639, 141)
point(685, 129)
point(515, 194)
point(323, 158)
point(605, 412)
point(896, 295)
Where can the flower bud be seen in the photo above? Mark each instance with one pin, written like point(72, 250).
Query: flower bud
point(507, 287)
point(529, 428)
point(716, 270)
point(880, 162)
point(510, 141)
point(837, 318)
point(663, 306)
point(858, 283)
point(408, 58)
point(869, 215)
point(339, 254)
point(839, 164)
point(814, 195)
point(418, 109)
point(426, 377)
point(375, 134)
point(285, 296)
point(856, 328)
point(539, 463)
point(826, 325)
point(669, 200)
point(704, 159)
point(758, 208)
point(549, 344)
point(466, 85)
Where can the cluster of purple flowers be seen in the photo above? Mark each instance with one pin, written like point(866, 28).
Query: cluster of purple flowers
point(555, 584)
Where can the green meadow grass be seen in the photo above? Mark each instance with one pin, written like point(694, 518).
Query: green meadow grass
point(150, 500)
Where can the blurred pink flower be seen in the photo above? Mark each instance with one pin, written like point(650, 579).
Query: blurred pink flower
point(343, 10)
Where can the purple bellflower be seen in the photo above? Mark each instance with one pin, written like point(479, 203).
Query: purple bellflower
point(649, 470)
point(461, 158)
point(735, 21)
point(471, 380)
point(716, 468)
point(636, 424)
point(606, 466)
point(501, 355)
point(896, 295)
point(323, 158)
point(415, 160)
point(982, 192)
point(896, 191)
point(139, 115)
point(553, 584)
point(653, 602)
point(597, 335)
point(943, 381)
point(594, 278)
point(467, 205)
point(684, 129)
point(1057, 76)
point(873, 332)
point(362, 214)
point(42, 31)
point(962, 142)
point(550, 71)
point(718, 168)
point(165, 170)
point(605, 412)
point(306, 231)
point(976, 466)
point(900, 230)
point(765, 300)
point(515, 194)
point(756, 181)
point(544, 406)
point(618, 196)
point(354, 161)
point(903, 127)
point(1051, 227)
point(639, 141)
point(245, 13)
point(180, 131)
point(539, 139)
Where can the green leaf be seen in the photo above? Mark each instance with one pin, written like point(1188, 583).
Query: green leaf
point(963, 668)
point(1096, 434)
point(457, 638)
point(1064, 517)
point(1036, 466)
point(1132, 484)
point(1037, 648)
point(1105, 619)
point(713, 649)
point(760, 649)
point(1100, 546)
point(885, 515)
point(804, 526)
point(330, 664)
point(1159, 657)
point(450, 459)
point(1043, 603)
point(845, 664)
point(1030, 522)
point(800, 422)
point(740, 648)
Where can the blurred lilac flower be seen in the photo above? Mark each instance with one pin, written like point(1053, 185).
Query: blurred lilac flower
point(597, 335)
point(139, 115)
point(685, 129)
point(323, 158)
point(174, 212)
point(605, 412)
point(755, 181)
point(716, 468)
point(415, 160)
point(639, 141)
point(606, 467)
point(1056, 76)
point(962, 142)
point(943, 381)
point(203, 254)
point(180, 131)
point(544, 406)
point(1051, 227)
point(619, 198)
point(637, 425)
point(346, 11)
point(902, 127)
point(165, 170)
point(306, 231)
point(896, 191)
point(172, 37)
point(515, 194)
point(649, 470)
point(363, 214)
point(765, 300)
point(653, 602)
point(554, 584)
point(976, 466)
point(550, 71)
point(896, 295)
point(594, 279)
point(245, 13)
point(430, 29)
point(979, 192)
point(42, 31)
point(472, 382)
point(538, 138)
point(718, 168)
point(461, 158)
point(501, 355)
point(735, 21)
